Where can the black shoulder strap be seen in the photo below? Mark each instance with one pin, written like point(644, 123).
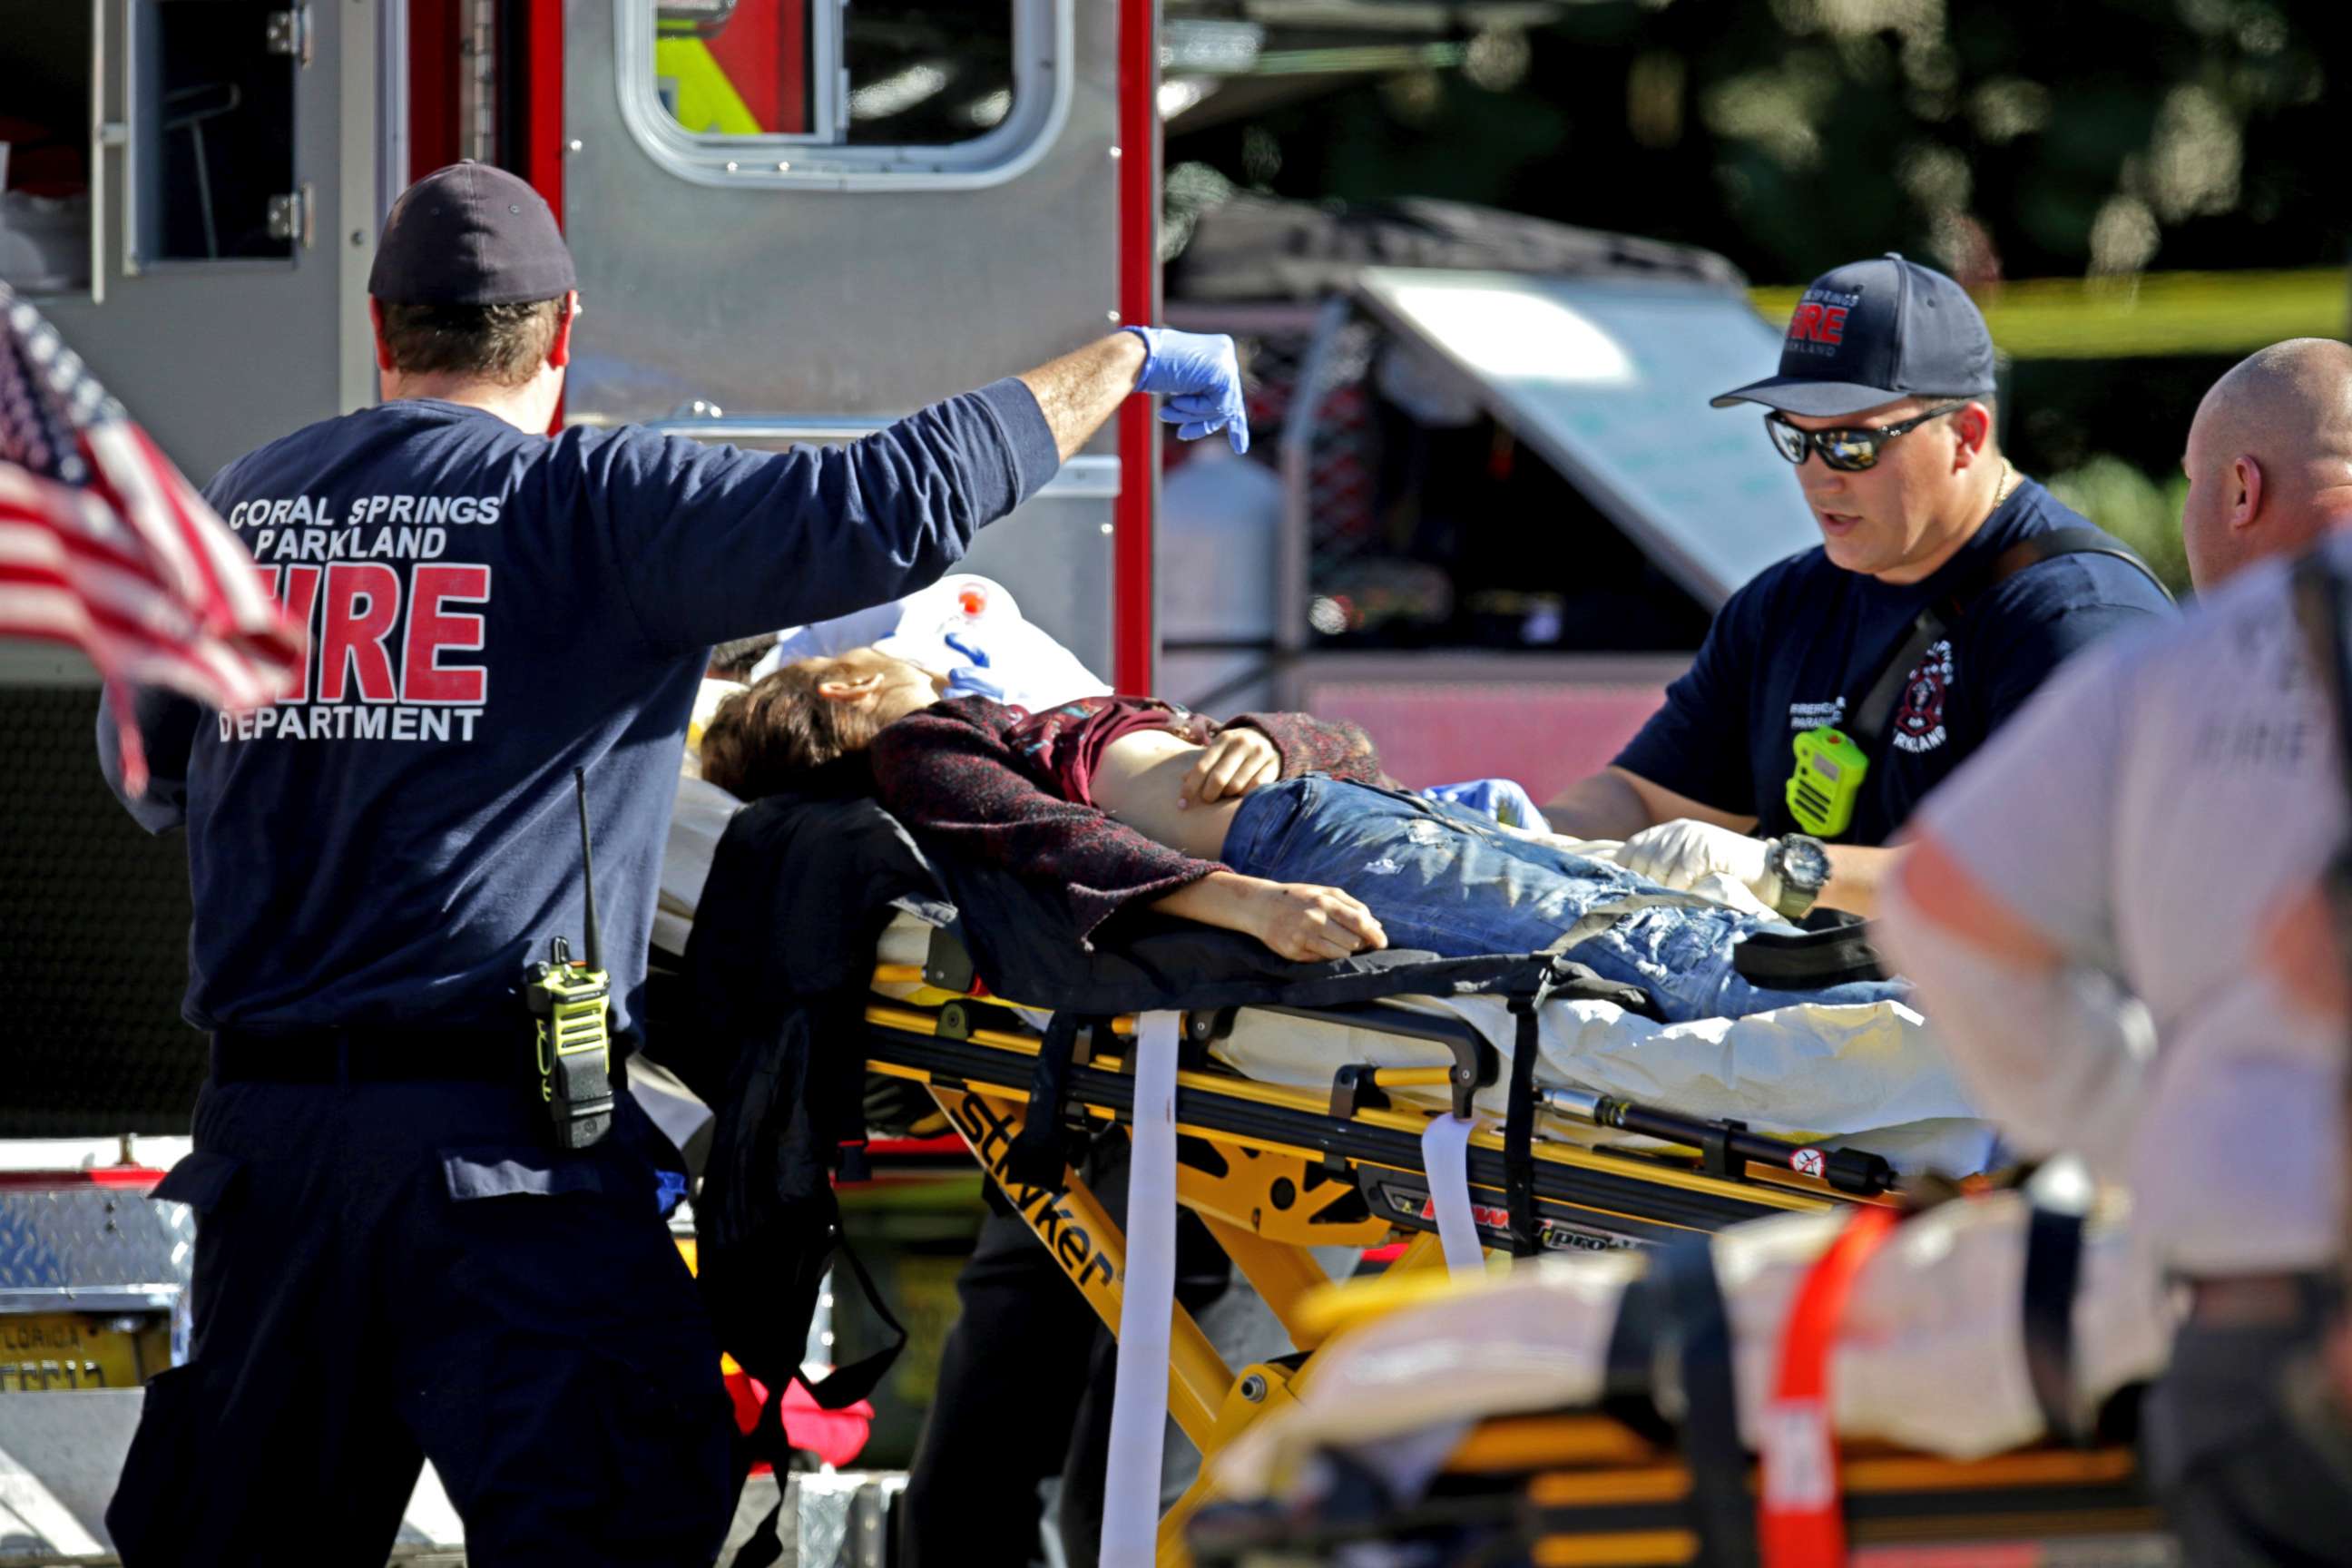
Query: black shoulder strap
point(1698, 1332)
point(1876, 708)
point(2053, 1266)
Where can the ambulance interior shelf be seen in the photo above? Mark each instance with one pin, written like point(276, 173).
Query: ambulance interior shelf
point(189, 160)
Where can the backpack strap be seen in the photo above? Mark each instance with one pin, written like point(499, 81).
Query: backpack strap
point(1877, 709)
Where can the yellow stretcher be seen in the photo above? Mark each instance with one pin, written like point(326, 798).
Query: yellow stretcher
point(1274, 1171)
point(1579, 1490)
point(1617, 1487)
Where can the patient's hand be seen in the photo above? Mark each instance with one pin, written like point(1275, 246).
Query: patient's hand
point(1235, 762)
point(1302, 922)
point(1309, 924)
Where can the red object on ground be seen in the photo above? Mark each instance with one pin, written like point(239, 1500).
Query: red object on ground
point(835, 1437)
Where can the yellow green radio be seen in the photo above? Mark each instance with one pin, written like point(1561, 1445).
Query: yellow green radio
point(570, 1004)
point(1826, 781)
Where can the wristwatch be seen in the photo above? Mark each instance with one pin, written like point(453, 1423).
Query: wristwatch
point(1801, 866)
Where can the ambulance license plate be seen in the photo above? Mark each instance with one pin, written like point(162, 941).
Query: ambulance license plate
point(60, 1352)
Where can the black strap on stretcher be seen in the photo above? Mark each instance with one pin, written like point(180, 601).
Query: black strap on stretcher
point(2053, 1266)
point(843, 1386)
point(1519, 1119)
point(1834, 947)
point(1935, 623)
point(1696, 1334)
point(1040, 1151)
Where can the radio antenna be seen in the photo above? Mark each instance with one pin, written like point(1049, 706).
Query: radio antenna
point(588, 870)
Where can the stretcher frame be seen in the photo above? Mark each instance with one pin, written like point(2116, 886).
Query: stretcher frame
point(1586, 1490)
point(1273, 1171)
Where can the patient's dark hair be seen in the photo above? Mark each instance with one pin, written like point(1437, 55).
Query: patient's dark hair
point(783, 734)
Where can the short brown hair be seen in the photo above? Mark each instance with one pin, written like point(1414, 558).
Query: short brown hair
point(778, 734)
point(504, 343)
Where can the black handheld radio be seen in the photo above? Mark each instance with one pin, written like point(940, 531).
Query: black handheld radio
point(568, 1003)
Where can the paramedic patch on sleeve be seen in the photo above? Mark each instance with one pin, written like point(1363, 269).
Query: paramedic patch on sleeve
point(1919, 722)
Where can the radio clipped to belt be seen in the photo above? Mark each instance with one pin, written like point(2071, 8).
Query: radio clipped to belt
point(1826, 781)
point(570, 1004)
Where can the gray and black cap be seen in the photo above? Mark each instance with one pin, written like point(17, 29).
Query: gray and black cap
point(1872, 332)
point(470, 234)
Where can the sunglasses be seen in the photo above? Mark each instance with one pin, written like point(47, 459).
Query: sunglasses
point(1847, 451)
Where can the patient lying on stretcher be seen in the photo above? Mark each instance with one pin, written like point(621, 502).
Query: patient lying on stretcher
point(1278, 826)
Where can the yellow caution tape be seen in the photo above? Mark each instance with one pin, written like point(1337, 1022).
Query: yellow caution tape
point(2155, 313)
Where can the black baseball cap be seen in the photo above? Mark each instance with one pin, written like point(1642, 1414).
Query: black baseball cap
point(470, 234)
point(1874, 331)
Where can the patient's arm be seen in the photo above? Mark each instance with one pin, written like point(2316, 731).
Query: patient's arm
point(1300, 922)
point(948, 775)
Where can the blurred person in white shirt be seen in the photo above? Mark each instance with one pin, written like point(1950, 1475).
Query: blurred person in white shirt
point(2088, 910)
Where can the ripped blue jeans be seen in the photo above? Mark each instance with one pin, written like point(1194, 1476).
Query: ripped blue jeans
point(1445, 880)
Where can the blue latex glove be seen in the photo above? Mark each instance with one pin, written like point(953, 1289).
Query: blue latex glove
point(972, 680)
point(1501, 799)
point(1200, 378)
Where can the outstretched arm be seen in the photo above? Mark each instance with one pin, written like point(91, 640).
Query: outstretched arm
point(1078, 391)
point(1197, 372)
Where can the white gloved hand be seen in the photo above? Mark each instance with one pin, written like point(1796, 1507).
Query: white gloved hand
point(1679, 853)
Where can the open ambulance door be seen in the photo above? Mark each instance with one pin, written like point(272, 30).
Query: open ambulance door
point(796, 220)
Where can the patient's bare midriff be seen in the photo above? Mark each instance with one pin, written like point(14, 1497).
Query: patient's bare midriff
point(1138, 781)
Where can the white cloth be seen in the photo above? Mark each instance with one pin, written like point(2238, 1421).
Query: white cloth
point(1147, 1306)
point(1872, 1076)
point(924, 628)
point(696, 821)
point(1930, 1353)
point(1446, 1165)
point(1683, 853)
point(2148, 814)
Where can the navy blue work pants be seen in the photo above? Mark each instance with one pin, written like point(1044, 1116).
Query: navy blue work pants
point(389, 1272)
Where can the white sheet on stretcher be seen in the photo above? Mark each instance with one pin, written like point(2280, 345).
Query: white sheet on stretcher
point(1872, 1075)
point(1837, 1072)
point(1930, 1353)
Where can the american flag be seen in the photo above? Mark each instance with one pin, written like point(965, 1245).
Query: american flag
point(105, 546)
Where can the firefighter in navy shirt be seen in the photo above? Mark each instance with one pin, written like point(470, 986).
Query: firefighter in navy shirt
point(400, 1255)
point(1839, 687)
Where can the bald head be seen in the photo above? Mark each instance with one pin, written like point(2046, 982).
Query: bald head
point(2269, 457)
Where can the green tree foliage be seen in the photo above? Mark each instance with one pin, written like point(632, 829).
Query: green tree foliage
point(1997, 138)
point(2128, 504)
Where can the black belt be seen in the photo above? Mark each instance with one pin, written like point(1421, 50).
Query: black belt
point(423, 1053)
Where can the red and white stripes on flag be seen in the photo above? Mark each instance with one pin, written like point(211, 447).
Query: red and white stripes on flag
point(105, 546)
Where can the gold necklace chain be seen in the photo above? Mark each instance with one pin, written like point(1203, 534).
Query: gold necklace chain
point(2000, 492)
